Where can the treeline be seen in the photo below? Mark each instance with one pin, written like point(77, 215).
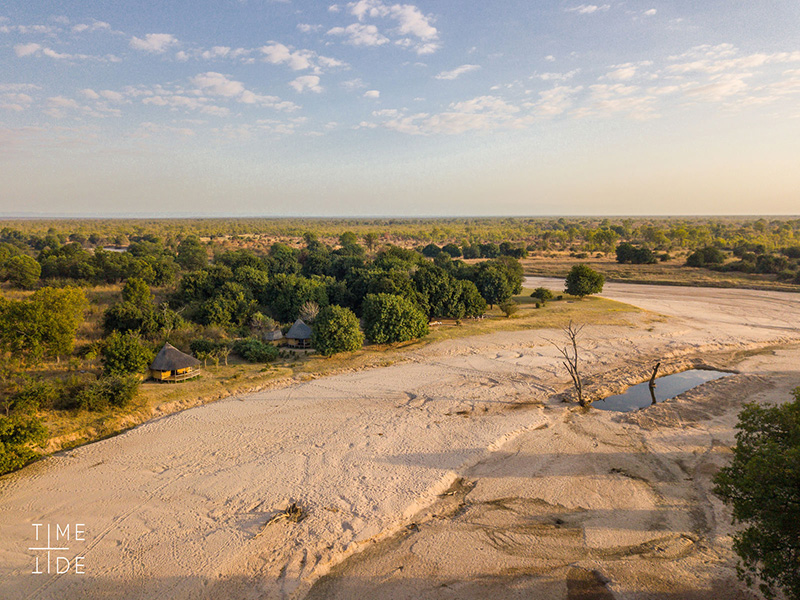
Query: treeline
point(784, 263)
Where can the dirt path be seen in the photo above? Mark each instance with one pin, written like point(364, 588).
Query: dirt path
point(179, 507)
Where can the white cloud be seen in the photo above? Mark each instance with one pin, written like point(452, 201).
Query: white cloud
point(306, 82)
point(23, 50)
point(650, 13)
point(156, 43)
point(94, 26)
point(26, 49)
point(15, 101)
point(550, 58)
point(298, 60)
point(372, 94)
point(626, 71)
point(556, 100)
point(558, 76)
point(307, 28)
point(720, 89)
point(334, 8)
point(458, 71)
point(588, 9)
point(415, 30)
point(218, 84)
point(360, 35)
point(90, 94)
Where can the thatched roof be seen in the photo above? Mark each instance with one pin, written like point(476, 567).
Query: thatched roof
point(273, 335)
point(172, 359)
point(299, 331)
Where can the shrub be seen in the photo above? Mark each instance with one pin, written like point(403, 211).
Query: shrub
point(18, 432)
point(582, 281)
point(95, 395)
point(255, 351)
point(509, 308)
point(542, 294)
point(336, 330)
point(392, 318)
point(705, 257)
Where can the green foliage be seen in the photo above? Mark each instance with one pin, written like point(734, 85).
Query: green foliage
point(762, 485)
point(431, 251)
point(542, 294)
point(137, 292)
point(705, 257)
point(582, 281)
point(192, 254)
point(509, 308)
point(22, 272)
point(287, 293)
point(124, 354)
point(336, 330)
point(392, 318)
point(255, 351)
point(43, 325)
point(98, 394)
point(283, 259)
point(628, 253)
point(451, 249)
point(18, 432)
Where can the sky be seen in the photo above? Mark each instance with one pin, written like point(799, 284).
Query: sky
point(372, 108)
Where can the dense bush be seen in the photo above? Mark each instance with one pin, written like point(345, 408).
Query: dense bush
point(94, 395)
point(336, 330)
point(124, 354)
point(705, 257)
point(255, 351)
point(392, 318)
point(542, 294)
point(628, 253)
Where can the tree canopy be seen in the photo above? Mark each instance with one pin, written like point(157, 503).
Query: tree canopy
point(762, 486)
point(582, 281)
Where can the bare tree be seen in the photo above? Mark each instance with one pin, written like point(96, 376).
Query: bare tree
point(570, 354)
point(309, 312)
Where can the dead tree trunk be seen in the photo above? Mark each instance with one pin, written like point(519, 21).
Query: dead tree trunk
point(655, 373)
point(571, 359)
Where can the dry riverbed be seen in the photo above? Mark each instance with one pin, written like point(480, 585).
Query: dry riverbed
point(459, 473)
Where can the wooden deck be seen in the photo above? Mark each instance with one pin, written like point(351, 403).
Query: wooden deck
point(181, 377)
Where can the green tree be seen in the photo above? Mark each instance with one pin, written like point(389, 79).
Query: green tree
point(391, 318)
point(192, 254)
point(43, 325)
point(137, 292)
point(336, 330)
point(762, 486)
point(582, 281)
point(125, 354)
point(23, 272)
point(493, 283)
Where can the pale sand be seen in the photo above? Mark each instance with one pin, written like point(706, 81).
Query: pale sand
point(539, 500)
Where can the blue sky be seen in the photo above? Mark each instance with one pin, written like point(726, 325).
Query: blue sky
point(258, 107)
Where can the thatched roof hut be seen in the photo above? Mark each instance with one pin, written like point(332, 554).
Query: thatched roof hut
point(299, 334)
point(171, 364)
point(273, 336)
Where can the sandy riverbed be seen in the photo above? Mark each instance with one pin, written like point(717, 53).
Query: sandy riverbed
point(455, 474)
